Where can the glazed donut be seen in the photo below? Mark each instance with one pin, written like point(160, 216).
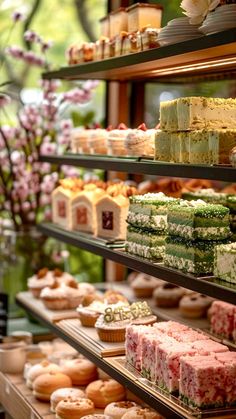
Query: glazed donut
point(116, 410)
point(71, 408)
point(81, 371)
point(63, 394)
point(194, 306)
point(103, 392)
point(46, 384)
point(168, 295)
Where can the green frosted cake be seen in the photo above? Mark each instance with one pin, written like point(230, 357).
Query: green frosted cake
point(208, 195)
point(195, 257)
point(225, 262)
point(149, 211)
point(231, 203)
point(145, 243)
point(197, 220)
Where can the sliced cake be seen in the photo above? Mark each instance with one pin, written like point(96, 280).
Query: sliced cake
point(146, 244)
point(168, 115)
point(208, 195)
point(162, 146)
point(225, 262)
point(84, 217)
point(198, 220)
point(222, 319)
point(111, 217)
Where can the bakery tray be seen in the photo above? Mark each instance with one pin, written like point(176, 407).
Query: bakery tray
point(170, 400)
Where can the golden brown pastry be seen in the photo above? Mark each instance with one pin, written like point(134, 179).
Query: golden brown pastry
point(103, 392)
point(46, 384)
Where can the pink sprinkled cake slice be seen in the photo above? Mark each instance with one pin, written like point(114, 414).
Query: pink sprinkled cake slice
point(222, 318)
point(208, 346)
point(229, 361)
point(170, 327)
point(202, 381)
point(189, 336)
point(132, 343)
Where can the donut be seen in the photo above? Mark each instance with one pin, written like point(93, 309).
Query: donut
point(143, 285)
point(168, 295)
point(194, 306)
point(39, 369)
point(81, 371)
point(63, 394)
point(71, 408)
point(141, 413)
point(116, 410)
point(103, 392)
point(46, 384)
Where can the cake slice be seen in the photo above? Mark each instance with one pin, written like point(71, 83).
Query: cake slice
point(220, 144)
point(62, 201)
point(196, 257)
point(133, 343)
point(168, 115)
point(162, 146)
point(84, 217)
point(111, 217)
point(225, 262)
point(209, 346)
point(222, 319)
point(208, 195)
point(198, 220)
point(149, 211)
point(144, 243)
point(196, 113)
point(229, 361)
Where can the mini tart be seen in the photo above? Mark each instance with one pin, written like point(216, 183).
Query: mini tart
point(39, 369)
point(144, 285)
point(70, 408)
point(111, 332)
point(38, 282)
point(63, 394)
point(116, 410)
point(81, 371)
point(168, 295)
point(141, 413)
point(194, 306)
point(103, 392)
point(46, 384)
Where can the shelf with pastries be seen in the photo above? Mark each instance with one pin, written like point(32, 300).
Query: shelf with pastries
point(206, 55)
point(144, 166)
point(206, 285)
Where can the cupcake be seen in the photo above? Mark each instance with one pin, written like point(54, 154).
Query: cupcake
point(144, 285)
point(88, 315)
point(62, 296)
point(116, 140)
point(140, 141)
point(79, 140)
point(38, 282)
point(98, 141)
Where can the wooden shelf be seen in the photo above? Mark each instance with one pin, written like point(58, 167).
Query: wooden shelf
point(208, 55)
point(208, 285)
point(142, 166)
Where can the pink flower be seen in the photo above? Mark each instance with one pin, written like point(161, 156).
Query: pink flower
point(31, 216)
point(17, 157)
point(45, 199)
point(66, 124)
point(15, 51)
point(90, 84)
point(17, 16)
point(16, 208)
point(48, 149)
point(31, 36)
point(63, 139)
point(26, 206)
point(45, 168)
point(4, 100)
point(77, 96)
point(69, 171)
point(47, 214)
point(46, 45)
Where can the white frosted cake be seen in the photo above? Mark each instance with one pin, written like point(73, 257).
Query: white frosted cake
point(111, 217)
point(84, 216)
point(225, 262)
point(62, 200)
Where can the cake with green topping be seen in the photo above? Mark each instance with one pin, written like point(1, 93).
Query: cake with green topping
point(225, 262)
point(208, 195)
point(145, 243)
point(195, 257)
point(149, 211)
point(198, 220)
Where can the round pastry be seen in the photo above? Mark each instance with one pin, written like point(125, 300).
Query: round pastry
point(168, 295)
point(38, 282)
point(46, 384)
point(194, 306)
point(63, 394)
point(143, 285)
point(117, 409)
point(114, 297)
point(103, 392)
point(70, 408)
point(116, 140)
point(62, 296)
point(39, 369)
point(96, 416)
point(141, 413)
point(81, 371)
point(89, 315)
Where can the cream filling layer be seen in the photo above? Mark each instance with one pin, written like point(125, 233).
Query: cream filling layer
point(203, 231)
point(158, 220)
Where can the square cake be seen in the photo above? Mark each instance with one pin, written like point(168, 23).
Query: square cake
point(225, 262)
point(111, 217)
point(222, 319)
point(146, 244)
point(198, 220)
point(162, 146)
point(168, 115)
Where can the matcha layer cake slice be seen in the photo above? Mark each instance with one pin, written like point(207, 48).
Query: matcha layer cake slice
point(149, 211)
point(145, 243)
point(198, 220)
point(208, 195)
point(195, 257)
point(225, 262)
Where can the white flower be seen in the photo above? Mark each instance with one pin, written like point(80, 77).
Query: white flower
point(196, 10)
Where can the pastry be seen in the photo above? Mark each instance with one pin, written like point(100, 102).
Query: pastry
point(116, 410)
point(103, 392)
point(198, 220)
point(149, 38)
point(39, 369)
point(62, 199)
point(114, 297)
point(116, 140)
point(135, 42)
point(168, 295)
point(162, 145)
point(81, 371)
point(111, 215)
point(140, 413)
point(144, 285)
point(88, 315)
point(145, 243)
point(37, 282)
point(98, 140)
point(142, 14)
point(96, 416)
point(105, 26)
point(84, 209)
point(61, 297)
point(71, 408)
point(63, 394)
point(102, 51)
point(46, 384)
point(118, 21)
point(194, 306)
point(208, 195)
point(140, 142)
point(222, 319)
point(225, 262)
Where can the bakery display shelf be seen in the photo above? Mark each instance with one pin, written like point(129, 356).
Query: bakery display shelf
point(211, 286)
point(18, 400)
point(144, 166)
point(214, 53)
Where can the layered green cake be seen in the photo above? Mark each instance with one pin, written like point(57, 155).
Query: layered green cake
point(198, 220)
point(225, 262)
point(149, 211)
point(144, 243)
point(195, 257)
point(208, 195)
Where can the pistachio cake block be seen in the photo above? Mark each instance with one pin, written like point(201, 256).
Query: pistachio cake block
point(225, 262)
point(149, 211)
point(162, 146)
point(145, 243)
point(208, 195)
point(196, 113)
point(198, 220)
point(168, 115)
point(195, 257)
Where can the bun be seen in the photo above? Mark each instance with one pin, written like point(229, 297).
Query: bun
point(39, 369)
point(116, 410)
point(70, 408)
point(63, 394)
point(81, 371)
point(46, 384)
point(103, 392)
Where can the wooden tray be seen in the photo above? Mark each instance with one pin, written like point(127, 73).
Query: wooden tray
point(38, 307)
point(88, 337)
